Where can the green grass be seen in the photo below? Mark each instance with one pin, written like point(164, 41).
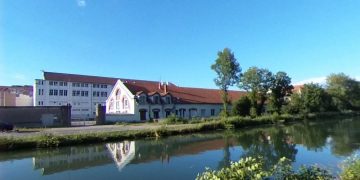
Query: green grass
point(197, 125)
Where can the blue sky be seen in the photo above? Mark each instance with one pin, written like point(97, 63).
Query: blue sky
point(177, 40)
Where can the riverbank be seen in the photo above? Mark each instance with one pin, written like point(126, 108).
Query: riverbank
point(57, 137)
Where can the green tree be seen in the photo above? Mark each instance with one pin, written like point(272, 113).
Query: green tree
point(257, 82)
point(345, 91)
point(314, 98)
point(281, 87)
point(241, 107)
point(228, 73)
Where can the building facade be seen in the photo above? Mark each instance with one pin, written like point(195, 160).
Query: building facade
point(80, 91)
point(16, 95)
point(145, 100)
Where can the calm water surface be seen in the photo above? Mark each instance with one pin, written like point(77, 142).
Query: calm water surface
point(183, 157)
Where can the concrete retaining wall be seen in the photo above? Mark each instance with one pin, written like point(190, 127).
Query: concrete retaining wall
point(31, 116)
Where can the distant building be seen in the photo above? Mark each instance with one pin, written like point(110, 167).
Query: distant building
point(143, 100)
point(80, 91)
point(16, 95)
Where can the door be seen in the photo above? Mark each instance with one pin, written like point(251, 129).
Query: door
point(142, 115)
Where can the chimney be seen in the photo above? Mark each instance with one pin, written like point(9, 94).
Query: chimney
point(165, 88)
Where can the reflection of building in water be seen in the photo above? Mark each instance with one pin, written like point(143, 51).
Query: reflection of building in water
point(71, 158)
point(122, 153)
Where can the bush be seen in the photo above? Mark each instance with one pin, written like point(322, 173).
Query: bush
point(351, 169)
point(253, 168)
point(48, 140)
point(173, 119)
point(241, 107)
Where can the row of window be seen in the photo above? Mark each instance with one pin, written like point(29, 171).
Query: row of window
point(155, 100)
point(56, 83)
point(99, 86)
point(99, 94)
point(55, 92)
point(80, 93)
point(80, 85)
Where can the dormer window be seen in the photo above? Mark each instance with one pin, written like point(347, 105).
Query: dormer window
point(168, 100)
point(156, 99)
point(142, 99)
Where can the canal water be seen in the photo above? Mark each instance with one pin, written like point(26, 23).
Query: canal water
point(325, 143)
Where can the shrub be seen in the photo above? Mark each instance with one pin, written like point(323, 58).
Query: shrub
point(48, 140)
point(241, 107)
point(351, 169)
point(253, 168)
point(173, 119)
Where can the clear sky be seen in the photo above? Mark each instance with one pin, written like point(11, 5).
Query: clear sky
point(177, 40)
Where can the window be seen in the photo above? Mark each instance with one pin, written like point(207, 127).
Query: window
point(96, 86)
point(203, 111)
point(212, 112)
point(51, 83)
point(76, 84)
point(76, 93)
point(156, 99)
point(55, 83)
point(156, 114)
point(65, 83)
point(41, 92)
point(85, 93)
point(167, 112)
point(65, 92)
point(103, 94)
point(55, 92)
point(97, 94)
point(142, 99)
point(51, 92)
point(103, 86)
point(168, 100)
point(61, 92)
point(60, 83)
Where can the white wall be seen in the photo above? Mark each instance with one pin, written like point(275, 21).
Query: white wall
point(24, 100)
point(82, 106)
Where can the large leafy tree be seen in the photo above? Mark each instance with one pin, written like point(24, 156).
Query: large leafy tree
point(257, 82)
point(344, 90)
point(228, 73)
point(281, 87)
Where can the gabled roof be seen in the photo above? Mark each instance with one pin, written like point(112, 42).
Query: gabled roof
point(182, 95)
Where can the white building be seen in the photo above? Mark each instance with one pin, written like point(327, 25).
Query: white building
point(143, 100)
point(80, 91)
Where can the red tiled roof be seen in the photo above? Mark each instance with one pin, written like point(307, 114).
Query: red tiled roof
point(297, 88)
point(27, 90)
point(4, 88)
point(183, 95)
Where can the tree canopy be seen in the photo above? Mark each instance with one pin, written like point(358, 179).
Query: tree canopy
point(228, 73)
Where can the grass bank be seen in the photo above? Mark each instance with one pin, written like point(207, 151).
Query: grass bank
point(50, 141)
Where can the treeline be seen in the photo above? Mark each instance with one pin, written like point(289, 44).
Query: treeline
point(270, 93)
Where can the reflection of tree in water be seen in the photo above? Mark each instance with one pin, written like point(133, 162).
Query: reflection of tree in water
point(272, 144)
point(311, 135)
point(225, 162)
point(346, 137)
